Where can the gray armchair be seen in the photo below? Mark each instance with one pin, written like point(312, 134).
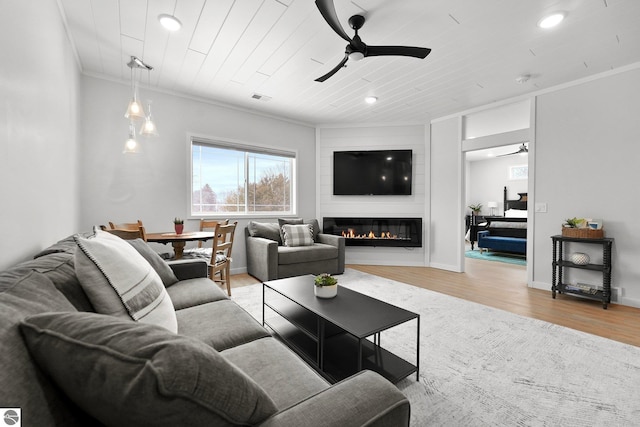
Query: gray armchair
point(269, 259)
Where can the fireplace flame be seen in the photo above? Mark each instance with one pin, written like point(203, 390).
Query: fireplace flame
point(351, 234)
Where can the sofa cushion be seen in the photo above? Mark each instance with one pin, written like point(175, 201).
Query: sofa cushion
point(297, 235)
point(57, 267)
point(221, 324)
point(126, 373)
point(270, 364)
point(315, 226)
point(266, 230)
point(190, 292)
point(24, 385)
point(295, 255)
point(159, 265)
point(120, 282)
point(66, 245)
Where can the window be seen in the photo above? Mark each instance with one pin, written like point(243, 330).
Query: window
point(518, 172)
point(240, 179)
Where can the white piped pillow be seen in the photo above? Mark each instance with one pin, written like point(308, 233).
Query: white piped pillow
point(120, 282)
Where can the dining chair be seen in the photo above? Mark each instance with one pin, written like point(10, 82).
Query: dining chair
point(124, 228)
point(127, 234)
point(220, 263)
point(204, 250)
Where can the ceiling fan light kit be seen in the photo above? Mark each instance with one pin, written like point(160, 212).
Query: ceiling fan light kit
point(357, 49)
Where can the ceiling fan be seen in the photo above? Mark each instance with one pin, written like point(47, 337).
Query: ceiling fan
point(521, 150)
point(357, 49)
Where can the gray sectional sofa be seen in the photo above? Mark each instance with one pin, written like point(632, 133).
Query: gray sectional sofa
point(270, 258)
point(64, 364)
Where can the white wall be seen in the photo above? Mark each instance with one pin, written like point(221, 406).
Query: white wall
point(487, 179)
point(374, 138)
point(39, 84)
point(587, 166)
point(446, 230)
point(153, 186)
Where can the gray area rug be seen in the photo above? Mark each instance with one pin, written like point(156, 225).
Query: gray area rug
point(481, 366)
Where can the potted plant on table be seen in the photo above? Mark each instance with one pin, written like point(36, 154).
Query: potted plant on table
point(475, 209)
point(326, 286)
point(178, 224)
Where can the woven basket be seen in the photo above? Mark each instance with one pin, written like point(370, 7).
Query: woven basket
point(582, 233)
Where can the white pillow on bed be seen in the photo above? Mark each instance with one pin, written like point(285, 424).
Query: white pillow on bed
point(515, 213)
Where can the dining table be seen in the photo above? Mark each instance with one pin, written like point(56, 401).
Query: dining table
point(179, 241)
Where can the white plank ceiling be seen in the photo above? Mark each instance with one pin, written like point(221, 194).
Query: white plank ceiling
point(229, 50)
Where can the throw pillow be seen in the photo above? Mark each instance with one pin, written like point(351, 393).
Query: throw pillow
point(126, 373)
point(159, 265)
point(315, 226)
point(298, 235)
point(284, 221)
point(120, 282)
point(267, 230)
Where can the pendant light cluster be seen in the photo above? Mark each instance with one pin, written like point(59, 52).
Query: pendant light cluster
point(135, 111)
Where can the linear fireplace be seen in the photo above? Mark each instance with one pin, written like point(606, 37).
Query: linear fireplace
point(358, 231)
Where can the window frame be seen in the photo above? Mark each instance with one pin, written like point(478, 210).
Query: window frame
point(244, 147)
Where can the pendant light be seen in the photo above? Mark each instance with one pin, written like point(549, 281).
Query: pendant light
point(134, 110)
point(131, 146)
point(149, 127)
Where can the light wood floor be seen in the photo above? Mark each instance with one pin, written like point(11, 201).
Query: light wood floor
point(503, 286)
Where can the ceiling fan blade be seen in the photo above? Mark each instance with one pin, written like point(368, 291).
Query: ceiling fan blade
point(328, 12)
point(521, 150)
point(416, 52)
point(335, 70)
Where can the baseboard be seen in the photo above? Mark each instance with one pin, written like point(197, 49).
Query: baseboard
point(447, 267)
point(239, 270)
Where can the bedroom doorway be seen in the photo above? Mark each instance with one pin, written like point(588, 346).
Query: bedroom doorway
point(496, 182)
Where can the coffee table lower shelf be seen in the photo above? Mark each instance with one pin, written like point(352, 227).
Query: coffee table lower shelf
point(339, 359)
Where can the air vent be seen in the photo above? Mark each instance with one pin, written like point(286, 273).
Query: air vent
point(261, 97)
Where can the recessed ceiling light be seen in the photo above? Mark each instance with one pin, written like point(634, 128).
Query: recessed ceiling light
point(371, 99)
point(551, 20)
point(170, 22)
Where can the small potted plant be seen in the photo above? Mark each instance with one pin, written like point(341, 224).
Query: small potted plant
point(326, 286)
point(178, 225)
point(476, 208)
point(573, 222)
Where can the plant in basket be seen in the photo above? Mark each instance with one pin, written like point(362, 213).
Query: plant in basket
point(578, 227)
point(573, 222)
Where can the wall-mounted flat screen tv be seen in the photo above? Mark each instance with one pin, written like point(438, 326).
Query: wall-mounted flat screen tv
point(377, 172)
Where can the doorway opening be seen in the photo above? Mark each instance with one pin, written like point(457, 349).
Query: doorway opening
point(496, 200)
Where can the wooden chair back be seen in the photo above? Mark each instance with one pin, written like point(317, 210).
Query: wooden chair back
point(210, 224)
point(128, 234)
point(221, 256)
point(128, 230)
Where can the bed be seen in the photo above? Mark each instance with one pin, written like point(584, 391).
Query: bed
point(507, 233)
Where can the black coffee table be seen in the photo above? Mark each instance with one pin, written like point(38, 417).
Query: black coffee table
point(331, 334)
